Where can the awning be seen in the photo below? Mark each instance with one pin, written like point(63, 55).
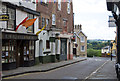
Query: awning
point(19, 36)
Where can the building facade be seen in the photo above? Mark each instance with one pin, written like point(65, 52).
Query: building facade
point(80, 44)
point(18, 48)
point(55, 40)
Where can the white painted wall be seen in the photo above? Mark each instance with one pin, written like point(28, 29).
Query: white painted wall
point(20, 16)
point(29, 5)
point(44, 35)
point(36, 26)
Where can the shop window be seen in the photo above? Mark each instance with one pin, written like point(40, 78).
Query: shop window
point(28, 50)
point(30, 28)
point(11, 21)
point(47, 44)
point(31, 49)
point(8, 51)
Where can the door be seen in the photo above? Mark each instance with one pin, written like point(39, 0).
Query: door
point(19, 56)
point(40, 48)
point(63, 49)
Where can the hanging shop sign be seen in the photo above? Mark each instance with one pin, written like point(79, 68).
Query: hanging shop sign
point(4, 17)
point(111, 21)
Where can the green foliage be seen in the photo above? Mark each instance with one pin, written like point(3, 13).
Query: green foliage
point(92, 52)
point(97, 44)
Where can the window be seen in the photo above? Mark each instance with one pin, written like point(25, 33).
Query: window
point(53, 19)
point(45, 1)
point(68, 7)
point(59, 4)
point(29, 50)
point(82, 48)
point(8, 51)
point(47, 22)
point(11, 21)
point(65, 25)
point(82, 39)
point(30, 28)
point(43, 22)
point(47, 44)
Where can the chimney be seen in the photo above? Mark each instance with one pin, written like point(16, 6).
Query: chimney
point(80, 27)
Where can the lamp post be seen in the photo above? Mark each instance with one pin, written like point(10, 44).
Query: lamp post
point(114, 7)
point(111, 45)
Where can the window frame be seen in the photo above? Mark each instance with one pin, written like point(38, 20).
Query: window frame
point(30, 16)
point(82, 38)
point(53, 19)
point(82, 48)
point(59, 5)
point(68, 7)
point(9, 51)
point(14, 20)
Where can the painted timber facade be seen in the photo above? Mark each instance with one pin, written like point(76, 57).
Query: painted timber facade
point(18, 49)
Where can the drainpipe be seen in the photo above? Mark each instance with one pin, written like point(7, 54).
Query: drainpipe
point(0, 54)
point(118, 36)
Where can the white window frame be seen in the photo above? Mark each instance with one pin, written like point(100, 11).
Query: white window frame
point(47, 22)
point(53, 19)
point(68, 7)
point(82, 49)
point(43, 21)
point(82, 39)
point(45, 1)
point(59, 4)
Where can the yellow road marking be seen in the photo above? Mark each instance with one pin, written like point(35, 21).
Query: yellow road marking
point(17, 76)
point(37, 72)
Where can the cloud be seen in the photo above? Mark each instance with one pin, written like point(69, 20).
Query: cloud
point(89, 6)
point(93, 16)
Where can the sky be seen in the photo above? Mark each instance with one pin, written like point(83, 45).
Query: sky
point(93, 16)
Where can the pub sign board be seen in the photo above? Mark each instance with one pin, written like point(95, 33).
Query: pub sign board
point(4, 17)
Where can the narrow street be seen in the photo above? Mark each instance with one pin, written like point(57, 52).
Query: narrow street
point(89, 69)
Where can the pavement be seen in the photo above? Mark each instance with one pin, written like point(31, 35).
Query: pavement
point(41, 67)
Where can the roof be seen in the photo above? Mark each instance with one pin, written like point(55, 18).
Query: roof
point(82, 33)
point(106, 47)
point(77, 34)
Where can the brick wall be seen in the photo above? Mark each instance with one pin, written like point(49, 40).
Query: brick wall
point(46, 10)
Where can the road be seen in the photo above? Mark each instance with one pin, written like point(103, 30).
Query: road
point(90, 69)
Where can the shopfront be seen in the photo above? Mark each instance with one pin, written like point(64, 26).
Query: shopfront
point(18, 50)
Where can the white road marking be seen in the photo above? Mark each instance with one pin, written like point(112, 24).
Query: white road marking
point(95, 71)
